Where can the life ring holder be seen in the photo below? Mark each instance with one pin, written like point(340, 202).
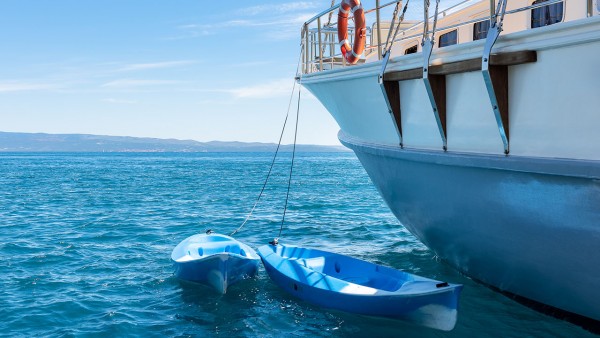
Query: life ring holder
point(352, 53)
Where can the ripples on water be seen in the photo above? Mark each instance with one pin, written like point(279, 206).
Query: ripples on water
point(85, 241)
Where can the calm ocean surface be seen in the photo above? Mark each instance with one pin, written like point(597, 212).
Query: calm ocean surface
point(85, 241)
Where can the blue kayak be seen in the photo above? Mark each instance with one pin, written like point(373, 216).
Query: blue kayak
point(214, 260)
point(349, 284)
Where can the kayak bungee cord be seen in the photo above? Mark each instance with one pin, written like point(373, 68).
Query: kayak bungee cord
point(277, 149)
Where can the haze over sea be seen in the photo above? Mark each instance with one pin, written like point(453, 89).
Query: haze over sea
point(85, 243)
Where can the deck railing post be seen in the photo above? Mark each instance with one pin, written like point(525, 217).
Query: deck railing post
point(590, 8)
point(319, 39)
point(378, 30)
point(306, 49)
point(332, 49)
point(492, 10)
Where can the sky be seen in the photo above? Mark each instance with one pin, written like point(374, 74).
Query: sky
point(201, 70)
point(185, 69)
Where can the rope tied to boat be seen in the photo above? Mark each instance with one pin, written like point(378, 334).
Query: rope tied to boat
point(287, 195)
point(296, 78)
point(426, 22)
point(328, 24)
point(386, 48)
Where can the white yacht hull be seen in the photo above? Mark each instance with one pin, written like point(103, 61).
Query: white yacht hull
point(527, 223)
point(523, 225)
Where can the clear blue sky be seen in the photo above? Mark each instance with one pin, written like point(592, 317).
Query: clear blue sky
point(186, 69)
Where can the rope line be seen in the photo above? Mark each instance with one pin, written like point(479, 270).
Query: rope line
point(435, 19)
point(291, 165)
point(387, 40)
point(397, 29)
point(276, 150)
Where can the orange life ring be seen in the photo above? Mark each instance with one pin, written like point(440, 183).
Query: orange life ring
point(352, 54)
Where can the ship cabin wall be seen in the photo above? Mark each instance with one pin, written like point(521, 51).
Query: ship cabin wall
point(520, 21)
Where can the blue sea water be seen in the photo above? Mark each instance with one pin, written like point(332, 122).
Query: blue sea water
point(85, 241)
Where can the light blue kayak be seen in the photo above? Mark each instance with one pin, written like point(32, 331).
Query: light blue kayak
point(349, 284)
point(214, 260)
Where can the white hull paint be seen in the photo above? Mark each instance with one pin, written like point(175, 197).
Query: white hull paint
point(553, 103)
point(554, 122)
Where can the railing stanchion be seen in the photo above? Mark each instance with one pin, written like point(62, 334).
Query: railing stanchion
point(319, 39)
point(306, 49)
point(332, 49)
point(378, 30)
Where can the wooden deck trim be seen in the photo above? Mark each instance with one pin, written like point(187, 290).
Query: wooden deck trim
point(470, 65)
point(438, 87)
point(392, 89)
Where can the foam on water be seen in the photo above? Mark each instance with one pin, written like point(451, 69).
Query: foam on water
point(85, 244)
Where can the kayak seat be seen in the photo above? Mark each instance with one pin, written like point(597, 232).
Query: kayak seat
point(360, 280)
point(211, 248)
point(387, 284)
point(316, 264)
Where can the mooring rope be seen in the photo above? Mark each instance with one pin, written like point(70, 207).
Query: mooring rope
point(328, 36)
point(276, 150)
point(387, 40)
point(287, 195)
point(397, 29)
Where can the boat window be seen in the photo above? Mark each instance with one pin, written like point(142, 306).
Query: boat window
point(547, 15)
point(480, 29)
point(410, 50)
point(447, 39)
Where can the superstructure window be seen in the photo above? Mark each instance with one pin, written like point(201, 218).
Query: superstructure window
point(547, 15)
point(480, 30)
point(448, 39)
point(410, 50)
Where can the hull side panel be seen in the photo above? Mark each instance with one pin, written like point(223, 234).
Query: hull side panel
point(358, 107)
point(554, 107)
point(531, 234)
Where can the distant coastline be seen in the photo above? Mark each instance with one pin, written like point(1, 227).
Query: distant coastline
point(42, 142)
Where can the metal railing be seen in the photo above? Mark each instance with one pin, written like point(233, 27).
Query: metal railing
point(321, 49)
point(320, 45)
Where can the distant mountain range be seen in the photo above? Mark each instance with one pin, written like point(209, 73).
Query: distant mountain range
point(40, 142)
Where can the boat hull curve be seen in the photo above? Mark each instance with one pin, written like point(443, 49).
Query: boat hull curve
point(218, 271)
point(526, 226)
point(214, 260)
